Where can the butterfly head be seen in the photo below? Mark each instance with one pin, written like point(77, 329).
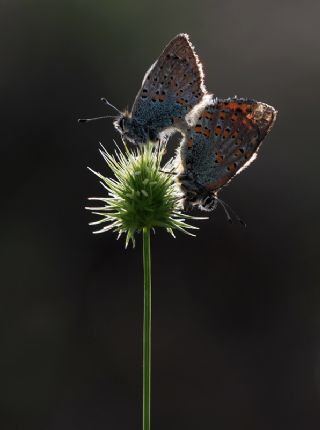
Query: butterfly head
point(131, 131)
point(206, 202)
point(195, 195)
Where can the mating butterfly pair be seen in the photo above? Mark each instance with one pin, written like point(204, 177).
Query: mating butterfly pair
point(221, 137)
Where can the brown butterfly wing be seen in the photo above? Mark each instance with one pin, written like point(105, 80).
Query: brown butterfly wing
point(226, 139)
point(171, 87)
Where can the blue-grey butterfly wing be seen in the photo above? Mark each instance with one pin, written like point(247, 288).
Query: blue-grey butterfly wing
point(171, 88)
point(226, 139)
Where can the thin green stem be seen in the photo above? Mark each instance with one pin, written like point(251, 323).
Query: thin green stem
point(146, 329)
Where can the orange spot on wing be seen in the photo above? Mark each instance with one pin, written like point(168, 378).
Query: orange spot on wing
point(159, 98)
point(232, 167)
point(243, 107)
point(226, 133)
point(201, 130)
point(181, 101)
point(233, 105)
point(207, 115)
point(247, 124)
point(219, 157)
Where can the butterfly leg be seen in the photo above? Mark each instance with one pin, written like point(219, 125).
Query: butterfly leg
point(225, 206)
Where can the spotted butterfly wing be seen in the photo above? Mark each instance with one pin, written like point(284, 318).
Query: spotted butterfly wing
point(171, 88)
point(223, 142)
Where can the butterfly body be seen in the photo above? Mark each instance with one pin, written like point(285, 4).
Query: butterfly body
point(224, 140)
point(171, 89)
point(155, 126)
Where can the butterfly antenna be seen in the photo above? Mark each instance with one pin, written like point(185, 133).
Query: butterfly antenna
point(105, 101)
point(93, 119)
point(225, 206)
point(225, 210)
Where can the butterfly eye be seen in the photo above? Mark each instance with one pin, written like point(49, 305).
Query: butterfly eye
point(209, 203)
point(121, 123)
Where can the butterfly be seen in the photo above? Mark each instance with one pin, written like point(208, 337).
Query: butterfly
point(223, 142)
point(171, 95)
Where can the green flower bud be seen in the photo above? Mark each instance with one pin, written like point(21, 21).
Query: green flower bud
point(140, 196)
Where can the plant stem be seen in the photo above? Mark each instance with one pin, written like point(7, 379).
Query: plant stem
point(146, 329)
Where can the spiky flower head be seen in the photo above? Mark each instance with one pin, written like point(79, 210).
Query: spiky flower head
point(140, 196)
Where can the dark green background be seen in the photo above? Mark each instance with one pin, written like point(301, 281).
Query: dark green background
point(235, 311)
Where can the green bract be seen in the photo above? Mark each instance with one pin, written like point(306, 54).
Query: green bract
point(140, 196)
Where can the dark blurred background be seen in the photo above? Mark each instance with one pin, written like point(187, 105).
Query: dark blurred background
point(236, 327)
